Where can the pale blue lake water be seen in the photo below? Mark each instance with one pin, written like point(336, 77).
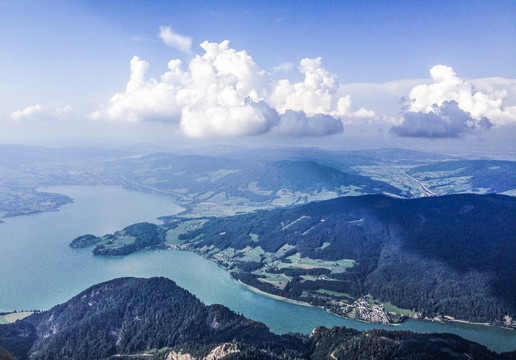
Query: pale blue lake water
point(39, 270)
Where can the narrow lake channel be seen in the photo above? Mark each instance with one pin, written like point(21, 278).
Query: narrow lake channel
point(40, 270)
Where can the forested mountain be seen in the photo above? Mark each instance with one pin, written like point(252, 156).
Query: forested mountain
point(154, 318)
point(132, 238)
point(129, 315)
point(201, 177)
point(440, 256)
point(4, 355)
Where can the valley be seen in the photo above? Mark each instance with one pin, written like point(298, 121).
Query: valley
point(353, 233)
point(222, 184)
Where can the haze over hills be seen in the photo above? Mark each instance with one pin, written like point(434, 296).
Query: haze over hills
point(360, 254)
point(154, 318)
point(202, 177)
point(225, 183)
point(237, 185)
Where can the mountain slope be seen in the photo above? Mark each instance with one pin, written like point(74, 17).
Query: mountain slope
point(130, 315)
point(154, 318)
point(452, 255)
point(201, 177)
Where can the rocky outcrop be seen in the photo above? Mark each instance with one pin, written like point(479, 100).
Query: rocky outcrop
point(179, 356)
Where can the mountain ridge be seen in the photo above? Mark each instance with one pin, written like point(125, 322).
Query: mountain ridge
point(154, 318)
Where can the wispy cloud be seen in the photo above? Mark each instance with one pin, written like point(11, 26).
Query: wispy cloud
point(175, 40)
point(283, 68)
point(39, 112)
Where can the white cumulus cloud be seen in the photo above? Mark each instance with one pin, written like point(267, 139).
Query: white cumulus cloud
point(27, 112)
point(229, 120)
point(224, 93)
point(146, 99)
point(220, 94)
point(319, 94)
point(446, 86)
point(175, 40)
point(445, 121)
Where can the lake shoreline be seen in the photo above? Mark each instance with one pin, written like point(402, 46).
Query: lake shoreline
point(71, 271)
point(457, 321)
point(276, 297)
point(444, 321)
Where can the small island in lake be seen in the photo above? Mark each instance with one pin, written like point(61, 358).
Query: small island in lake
point(133, 238)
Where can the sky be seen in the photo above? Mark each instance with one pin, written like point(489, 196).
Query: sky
point(328, 73)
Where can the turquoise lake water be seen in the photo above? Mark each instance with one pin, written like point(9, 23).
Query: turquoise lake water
point(39, 270)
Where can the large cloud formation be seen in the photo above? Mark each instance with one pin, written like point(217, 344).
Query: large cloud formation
point(314, 106)
point(451, 107)
point(224, 93)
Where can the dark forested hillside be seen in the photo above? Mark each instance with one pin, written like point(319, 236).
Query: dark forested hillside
point(154, 318)
point(343, 343)
point(129, 315)
point(4, 355)
point(132, 238)
point(452, 255)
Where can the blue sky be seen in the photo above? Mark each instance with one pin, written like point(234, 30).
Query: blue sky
point(71, 57)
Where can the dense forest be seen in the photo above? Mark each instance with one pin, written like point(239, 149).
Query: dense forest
point(452, 255)
point(129, 315)
point(153, 318)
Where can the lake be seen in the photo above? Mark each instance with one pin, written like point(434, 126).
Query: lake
point(39, 270)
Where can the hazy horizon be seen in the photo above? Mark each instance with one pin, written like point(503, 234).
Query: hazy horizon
point(437, 77)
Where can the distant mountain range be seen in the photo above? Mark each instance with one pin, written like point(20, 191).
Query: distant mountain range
point(130, 318)
point(220, 182)
point(203, 177)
